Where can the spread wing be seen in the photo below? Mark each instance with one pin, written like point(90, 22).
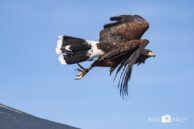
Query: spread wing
point(124, 58)
point(124, 28)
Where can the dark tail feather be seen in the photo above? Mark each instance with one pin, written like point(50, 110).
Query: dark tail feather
point(67, 44)
point(72, 59)
point(74, 50)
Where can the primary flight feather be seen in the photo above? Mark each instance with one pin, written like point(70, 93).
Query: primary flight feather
point(119, 47)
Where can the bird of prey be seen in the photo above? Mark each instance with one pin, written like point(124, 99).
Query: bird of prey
point(120, 47)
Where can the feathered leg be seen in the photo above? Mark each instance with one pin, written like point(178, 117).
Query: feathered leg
point(82, 71)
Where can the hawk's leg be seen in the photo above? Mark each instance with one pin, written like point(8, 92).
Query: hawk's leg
point(82, 71)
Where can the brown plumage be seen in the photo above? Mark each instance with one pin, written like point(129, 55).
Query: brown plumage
point(120, 47)
point(124, 29)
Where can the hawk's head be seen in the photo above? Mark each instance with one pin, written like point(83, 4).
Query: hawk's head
point(146, 53)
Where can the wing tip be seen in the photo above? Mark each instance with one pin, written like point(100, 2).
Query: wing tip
point(128, 18)
point(125, 18)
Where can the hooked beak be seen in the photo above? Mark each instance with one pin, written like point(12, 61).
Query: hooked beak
point(151, 54)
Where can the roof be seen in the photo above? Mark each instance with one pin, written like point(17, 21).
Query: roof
point(11, 118)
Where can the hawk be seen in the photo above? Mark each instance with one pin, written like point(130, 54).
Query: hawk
point(120, 47)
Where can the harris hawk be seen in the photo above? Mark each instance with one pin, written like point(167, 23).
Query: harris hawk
point(120, 47)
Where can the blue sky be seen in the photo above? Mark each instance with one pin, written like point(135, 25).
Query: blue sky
point(32, 79)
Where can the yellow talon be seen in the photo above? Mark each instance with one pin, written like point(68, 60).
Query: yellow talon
point(81, 74)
